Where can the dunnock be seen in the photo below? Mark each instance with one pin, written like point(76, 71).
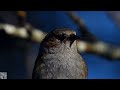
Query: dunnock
point(58, 57)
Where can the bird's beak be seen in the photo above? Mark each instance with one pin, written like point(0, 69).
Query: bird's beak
point(73, 38)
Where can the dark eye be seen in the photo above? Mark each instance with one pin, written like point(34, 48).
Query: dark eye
point(62, 36)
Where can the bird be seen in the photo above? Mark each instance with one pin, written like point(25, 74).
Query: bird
point(58, 57)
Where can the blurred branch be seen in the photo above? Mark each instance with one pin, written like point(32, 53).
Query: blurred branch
point(37, 36)
point(99, 48)
point(22, 32)
point(85, 34)
point(115, 15)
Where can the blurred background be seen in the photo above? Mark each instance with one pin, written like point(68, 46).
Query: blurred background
point(17, 54)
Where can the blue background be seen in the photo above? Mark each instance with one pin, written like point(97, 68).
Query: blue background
point(17, 56)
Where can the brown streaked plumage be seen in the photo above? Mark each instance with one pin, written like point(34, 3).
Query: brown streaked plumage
point(58, 57)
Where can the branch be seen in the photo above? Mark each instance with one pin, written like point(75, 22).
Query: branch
point(24, 33)
point(85, 34)
point(115, 15)
point(99, 48)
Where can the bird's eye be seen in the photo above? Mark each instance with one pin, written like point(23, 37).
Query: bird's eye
point(61, 36)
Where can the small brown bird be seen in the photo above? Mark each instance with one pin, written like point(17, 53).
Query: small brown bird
point(58, 57)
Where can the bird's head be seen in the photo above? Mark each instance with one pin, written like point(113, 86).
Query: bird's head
point(60, 36)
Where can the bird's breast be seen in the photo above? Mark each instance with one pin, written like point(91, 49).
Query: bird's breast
point(63, 66)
